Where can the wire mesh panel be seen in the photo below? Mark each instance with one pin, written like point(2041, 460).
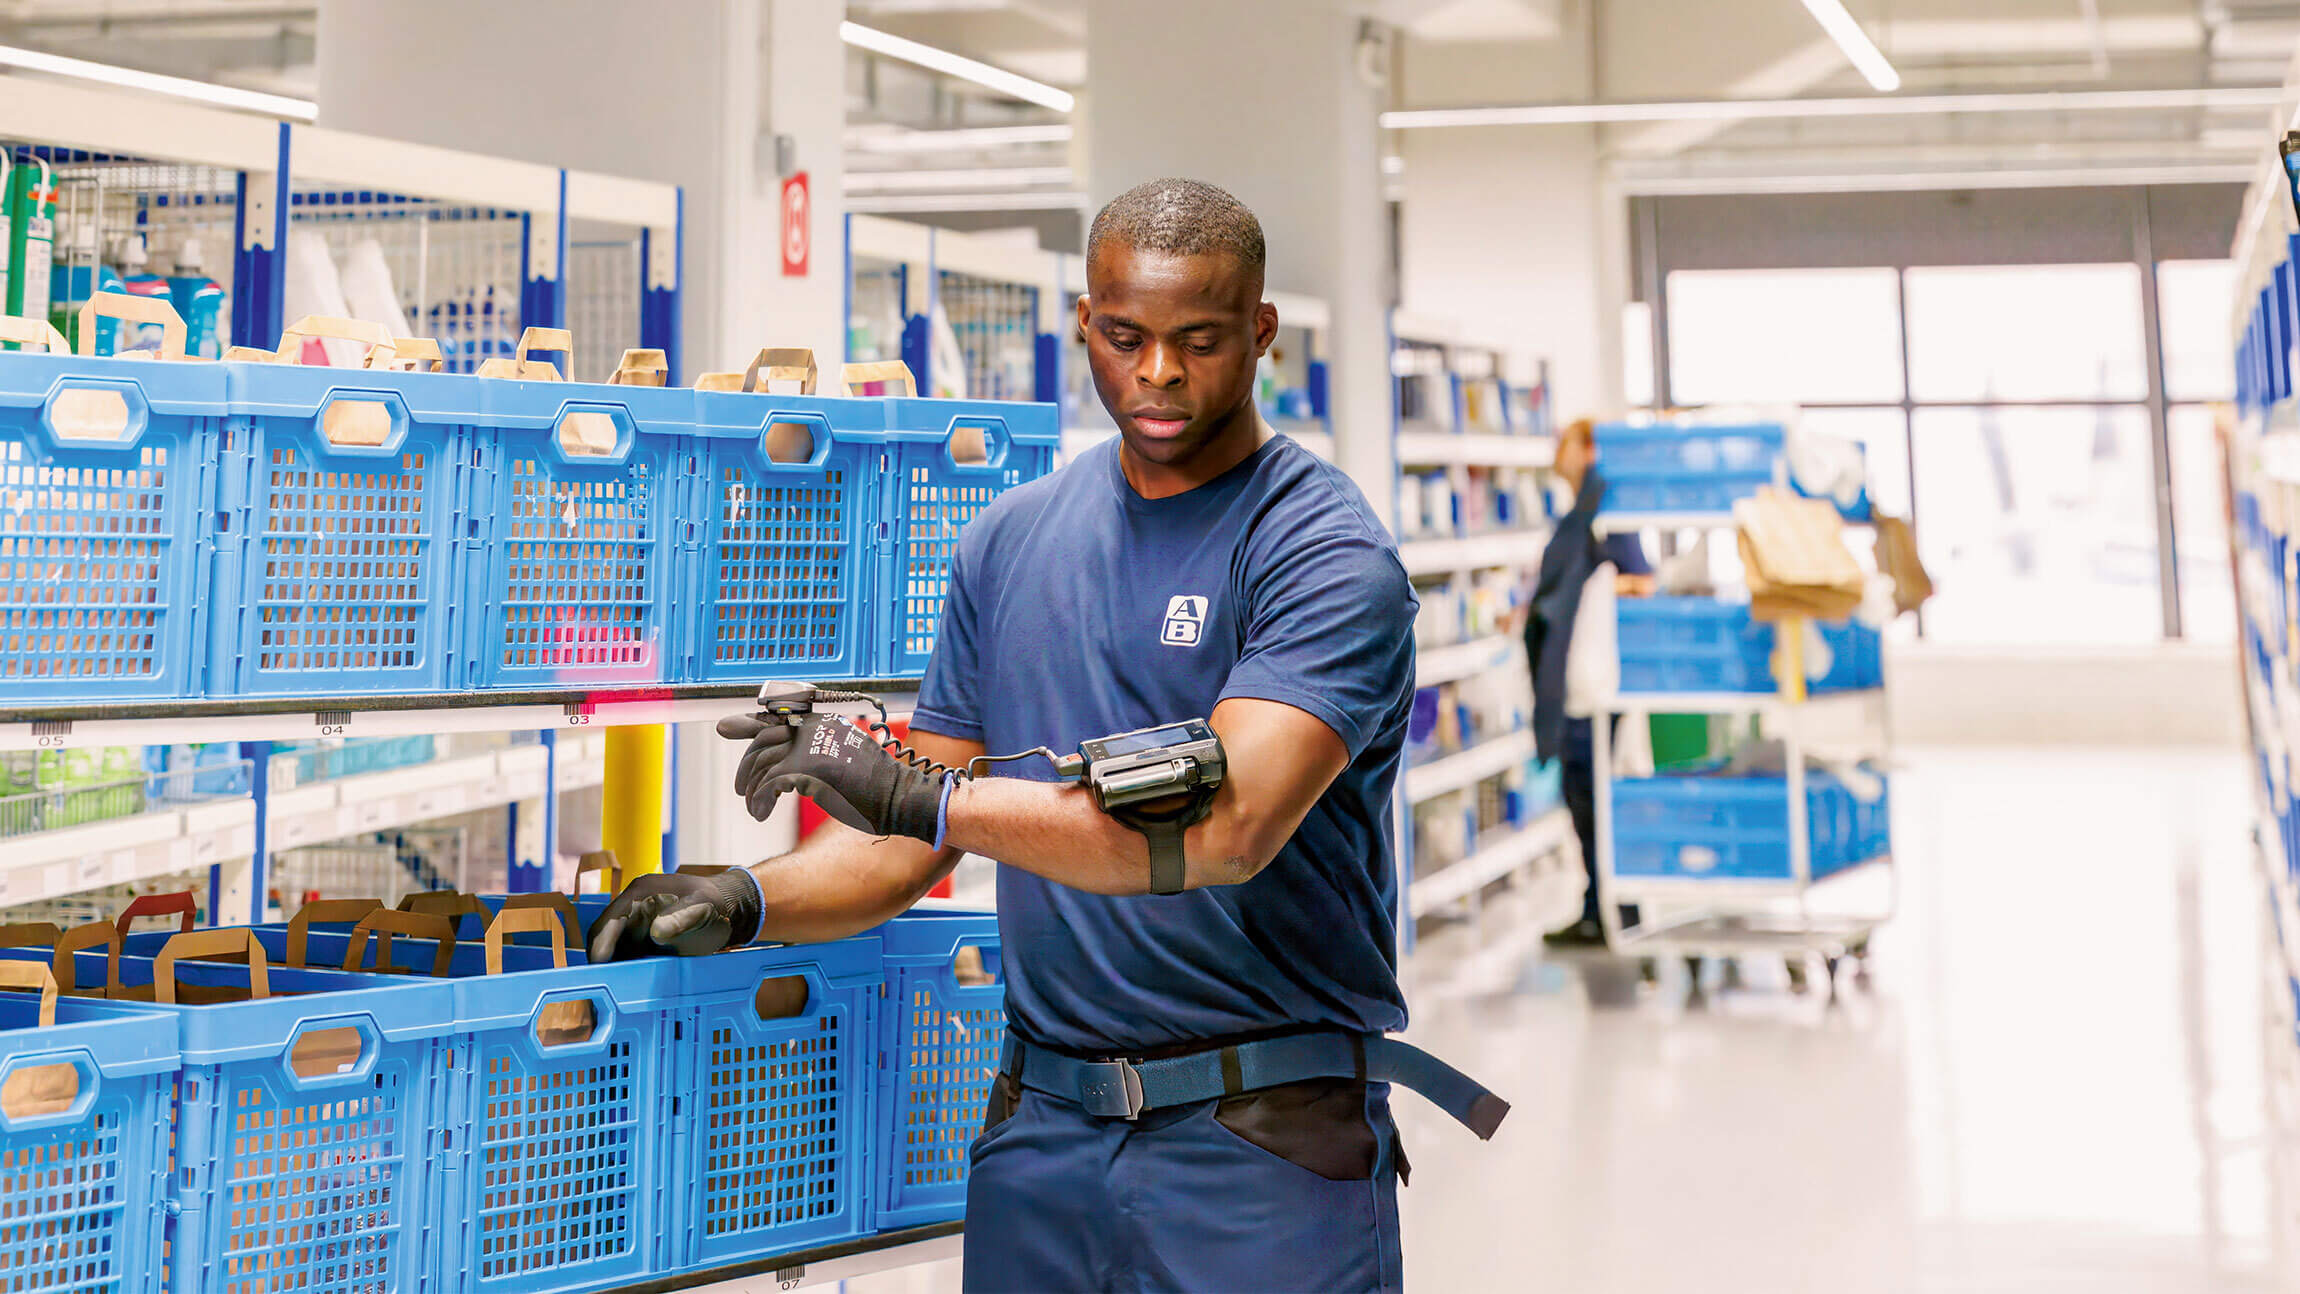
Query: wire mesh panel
point(997, 328)
point(148, 229)
point(875, 312)
point(602, 305)
point(451, 273)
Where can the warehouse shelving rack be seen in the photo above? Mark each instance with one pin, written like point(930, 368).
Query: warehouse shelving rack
point(1832, 916)
point(1003, 304)
point(1433, 427)
point(449, 223)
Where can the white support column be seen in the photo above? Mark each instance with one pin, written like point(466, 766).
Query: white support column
point(1273, 107)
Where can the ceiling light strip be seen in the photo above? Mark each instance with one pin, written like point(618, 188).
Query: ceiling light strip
point(222, 96)
point(949, 64)
point(1584, 114)
point(1866, 58)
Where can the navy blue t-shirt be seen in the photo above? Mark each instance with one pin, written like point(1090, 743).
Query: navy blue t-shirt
point(1078, 609)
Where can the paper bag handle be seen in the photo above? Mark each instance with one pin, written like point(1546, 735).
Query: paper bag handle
point(210, 943)
point(179, 902)
point(331, 911)
point(878, 370)
point(554, 902)
point(370, 335)
point(33, 975)
point(534, 370)
point(409, 355)
point(518, 920)
point(383, 923)
point(641, 367)
point(33, 332)
point(599, 860)
point(134, 309)
point(69, 944)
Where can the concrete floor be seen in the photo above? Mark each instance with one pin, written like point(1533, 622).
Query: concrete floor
point(2057, 1082)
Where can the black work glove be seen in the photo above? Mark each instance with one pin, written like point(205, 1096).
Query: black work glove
point(841, 767)
point(685, 916)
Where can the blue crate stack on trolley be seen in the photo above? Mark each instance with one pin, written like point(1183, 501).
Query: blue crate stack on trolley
point(449, 1097)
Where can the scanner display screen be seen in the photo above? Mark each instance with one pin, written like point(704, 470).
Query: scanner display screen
point(1137, 742)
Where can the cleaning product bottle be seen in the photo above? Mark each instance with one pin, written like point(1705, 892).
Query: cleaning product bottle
point(200, 300)
point(31, 237)
point(80, 275)
point(138, 281)
point(7, 240)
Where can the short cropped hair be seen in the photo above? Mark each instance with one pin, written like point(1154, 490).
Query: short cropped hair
point(1181, 217)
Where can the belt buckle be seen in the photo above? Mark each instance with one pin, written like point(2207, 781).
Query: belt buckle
point(1110, 1089)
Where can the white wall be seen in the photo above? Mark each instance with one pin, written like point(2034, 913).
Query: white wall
point(2167, 695)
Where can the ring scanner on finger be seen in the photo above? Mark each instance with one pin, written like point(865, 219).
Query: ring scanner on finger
point(1159, 781)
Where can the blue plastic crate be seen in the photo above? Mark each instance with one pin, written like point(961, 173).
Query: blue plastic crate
point(303, 1122)
point(573, 523)
point(777, 1076)
point(1695, 826)
point(1696, 644)
point(949, 460)
point(1673, 468)
point(939, 1040)
point(562, 1172)
point(780, 585)
point(340, 489)
point(105, 482)
point(82, 1176)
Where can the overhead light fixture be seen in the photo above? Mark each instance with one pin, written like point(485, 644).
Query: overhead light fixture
point(958, 65)
point(222, 96)
point(1584, 114)
point(942, 141)
point(1921, 181)
point(1010, 177)
point(1867, 59)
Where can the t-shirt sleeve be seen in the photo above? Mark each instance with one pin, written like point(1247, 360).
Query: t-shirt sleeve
point(1627, 553)
point(1329, 631)
point(947, 700)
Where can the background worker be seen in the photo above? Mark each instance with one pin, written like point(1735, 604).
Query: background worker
point(1561, 724)
point(1195, 565)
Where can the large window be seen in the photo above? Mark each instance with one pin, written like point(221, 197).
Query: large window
point(2021, 439)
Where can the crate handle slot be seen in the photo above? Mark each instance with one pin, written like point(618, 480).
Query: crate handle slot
point(600, 860)
point(409, 355)
point(42, 1091)
point(641, 367)
point(790, 443)
point(30, 934)
point(90, 413)
point(351, 421)
point(327, 1053)
point(556, 340)
point(781, 997)
point(384, 923)
point(33, 332)
point(974, 966)
point(134, 309)
point(180, 902)
point(371, 335)
point(878, 370)
point(32, 976)
point(208, 944)
point(554, 902)
point(512, 921)
point(588, 433)
point(68, 946)
point(326, 912)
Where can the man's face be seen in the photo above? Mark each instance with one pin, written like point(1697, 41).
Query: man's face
point(1172, 341)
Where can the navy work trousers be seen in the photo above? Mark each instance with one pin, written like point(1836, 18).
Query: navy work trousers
point(1291, 1188)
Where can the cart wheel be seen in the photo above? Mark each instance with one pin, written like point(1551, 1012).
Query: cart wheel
point(1796, 968)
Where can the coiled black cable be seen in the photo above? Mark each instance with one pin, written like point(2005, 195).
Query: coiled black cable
point(882, 732)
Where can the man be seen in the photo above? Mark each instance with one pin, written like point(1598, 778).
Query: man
point(1195, 565)
point(1574, 554)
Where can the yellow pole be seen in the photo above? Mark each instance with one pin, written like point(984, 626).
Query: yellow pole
point(631, 811)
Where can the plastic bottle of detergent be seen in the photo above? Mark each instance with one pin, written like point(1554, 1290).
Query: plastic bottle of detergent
point(79, 276)
point(200, 300)
point(137, 281)
point(31, 236)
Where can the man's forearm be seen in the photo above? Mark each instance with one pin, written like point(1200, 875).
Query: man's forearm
point(841, 882)
point(1056, 832)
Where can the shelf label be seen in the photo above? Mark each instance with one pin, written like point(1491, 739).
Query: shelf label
point(92, 872)
point(371, 815)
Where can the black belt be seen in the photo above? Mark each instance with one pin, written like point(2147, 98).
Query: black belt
point(1123, 1089)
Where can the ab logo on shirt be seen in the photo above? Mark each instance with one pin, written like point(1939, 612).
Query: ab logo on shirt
point(1185, 622)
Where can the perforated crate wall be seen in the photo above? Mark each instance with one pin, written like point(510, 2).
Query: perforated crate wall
point(933, 499)
point(71, 1196)
point(941, 1040)
point(345, 577)
point(560, 1165)
point(99, 570)
point(310, 1189)
point(785, 558)
point(573, 566)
